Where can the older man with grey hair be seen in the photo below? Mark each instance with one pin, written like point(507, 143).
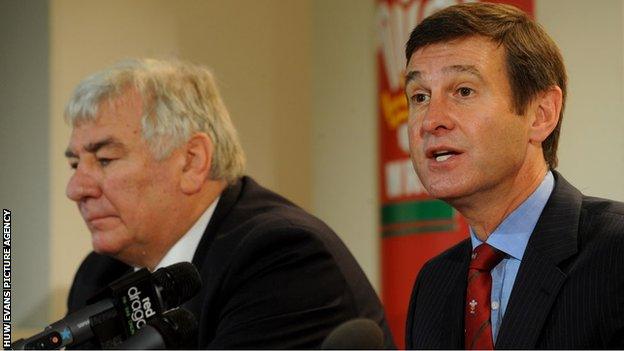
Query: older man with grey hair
point(158, 179)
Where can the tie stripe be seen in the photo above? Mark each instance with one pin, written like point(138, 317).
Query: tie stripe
point(482, 329)
point(474, 275)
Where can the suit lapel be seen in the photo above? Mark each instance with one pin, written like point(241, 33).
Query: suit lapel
point(539, 278)
point(227, 200)
point(452, 334)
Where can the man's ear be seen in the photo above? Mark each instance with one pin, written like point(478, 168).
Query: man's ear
point(547, 106)
point(197, 163)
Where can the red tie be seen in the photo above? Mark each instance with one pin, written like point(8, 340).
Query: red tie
point(477, 315)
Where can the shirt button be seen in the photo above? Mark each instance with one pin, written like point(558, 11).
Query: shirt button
point(495, 305)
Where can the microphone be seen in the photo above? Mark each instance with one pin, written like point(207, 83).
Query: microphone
point(120, 309)
point(175, 329)
point(361, 333)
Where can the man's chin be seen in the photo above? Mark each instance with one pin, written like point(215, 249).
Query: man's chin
point(447, 192)
point(105, 244)
point(439, 187)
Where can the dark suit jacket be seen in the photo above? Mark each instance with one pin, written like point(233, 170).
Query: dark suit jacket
point(273, 276)
point(568, 294)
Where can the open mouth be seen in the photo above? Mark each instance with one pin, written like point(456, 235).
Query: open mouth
point(443, 155)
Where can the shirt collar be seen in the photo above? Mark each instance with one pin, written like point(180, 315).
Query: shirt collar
point(513, 234)
point(184, 249)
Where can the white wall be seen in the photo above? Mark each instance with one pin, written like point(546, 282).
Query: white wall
point(591, 37)
point(344, 121)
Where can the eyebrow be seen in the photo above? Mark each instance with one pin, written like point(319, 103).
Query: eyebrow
point(94, 147)
point(417, 75)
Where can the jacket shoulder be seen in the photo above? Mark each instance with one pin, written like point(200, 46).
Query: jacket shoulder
point(599, 207)
point(273, 262)
point(602, 220)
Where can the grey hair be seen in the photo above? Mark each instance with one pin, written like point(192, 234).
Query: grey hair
point(179, 99)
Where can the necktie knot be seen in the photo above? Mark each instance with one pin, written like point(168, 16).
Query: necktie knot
point(485, 257)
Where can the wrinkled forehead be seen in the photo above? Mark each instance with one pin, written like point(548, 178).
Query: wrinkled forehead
point(473, 55)
point(117, 118)
point(457, 42)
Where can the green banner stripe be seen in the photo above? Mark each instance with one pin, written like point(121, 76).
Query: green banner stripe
point(415, 211)
point(419, 230)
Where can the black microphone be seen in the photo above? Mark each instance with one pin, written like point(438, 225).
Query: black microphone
point(356, 334)
point(121, 309)
point(174, 330)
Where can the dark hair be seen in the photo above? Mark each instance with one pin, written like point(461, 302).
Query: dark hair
point(534, 62)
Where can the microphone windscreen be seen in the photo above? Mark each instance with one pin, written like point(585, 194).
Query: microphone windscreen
point(356, 334)
point(179, 283)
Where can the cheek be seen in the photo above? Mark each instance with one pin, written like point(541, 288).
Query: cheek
point(501, 138)
point(125, 194)
point(412, 117)
point(126, 188)
point(413, 134)
point(139, 202)
point(160, 186)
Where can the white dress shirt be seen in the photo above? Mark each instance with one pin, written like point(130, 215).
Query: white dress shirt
point(184, 249)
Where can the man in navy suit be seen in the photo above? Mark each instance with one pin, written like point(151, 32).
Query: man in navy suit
point(544, 264)
point(158, 179)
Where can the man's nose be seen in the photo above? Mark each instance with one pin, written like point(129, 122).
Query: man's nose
point(437, 119)
point(82, 185)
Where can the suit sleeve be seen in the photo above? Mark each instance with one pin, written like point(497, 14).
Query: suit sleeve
point(283, 290)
